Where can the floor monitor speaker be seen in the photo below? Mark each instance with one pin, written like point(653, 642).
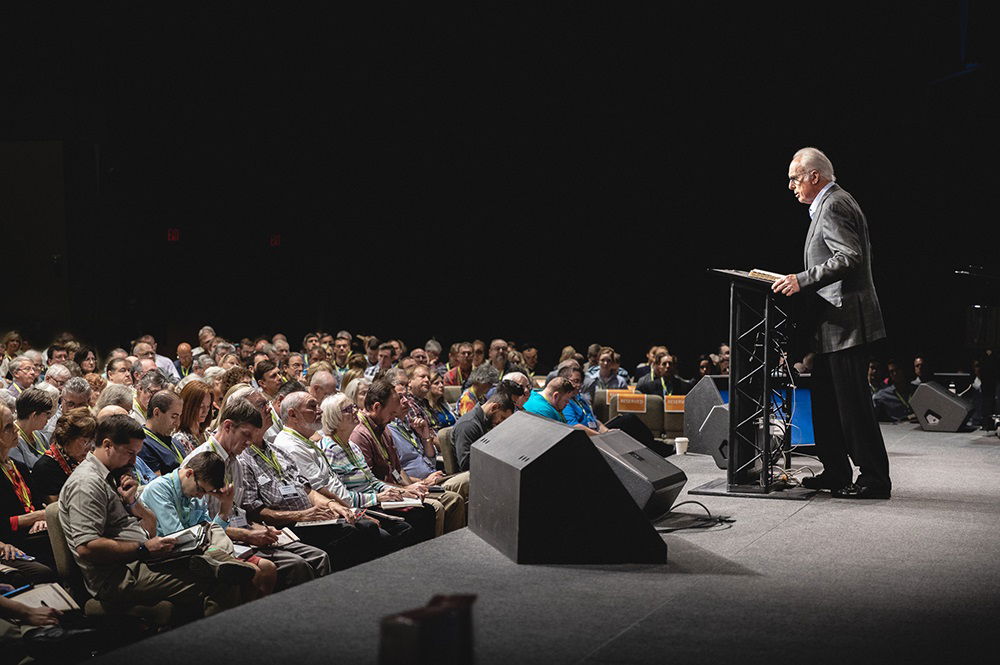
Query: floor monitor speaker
point(938, 410)
point(653, 482)
point(697, 405)
point(541, 492)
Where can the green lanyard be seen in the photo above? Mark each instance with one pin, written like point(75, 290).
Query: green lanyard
point(346, 447)
point(311, 444)
point(31, 441)
point(270, 460)
point(138, 408)
point(378, 440)
point(184, 511)
point(170, 449)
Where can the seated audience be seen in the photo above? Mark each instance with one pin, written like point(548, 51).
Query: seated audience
point(386, 357)
point(477, 422)
point(482, 379)
point(441, 412)
point(239, 424)
point(146, 385)
point(34, 408)
point(578, 410)
point(22, 519)
point(461, 370)
point(23, 373)
point(177, 501)
point(108, 532)
point(72, 439)
point(196, 415)
point(159, 451)
point(605, 378)
point(552, 400)
point(663, 381)
point(356, 391)
point(892, 403)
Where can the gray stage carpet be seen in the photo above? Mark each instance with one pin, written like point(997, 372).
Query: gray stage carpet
point(910, 580)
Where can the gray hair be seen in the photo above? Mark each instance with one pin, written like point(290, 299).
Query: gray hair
point(352, 388)
point(241, 393)
point(212, 372)
point(77, 386)
point(7, 399)
point(48, 389)
point(293, 401)
point(485, 373)
point(186, 380)
point(35, 356)
point(153, 379)
point(813, 159)
point(203, 361)
point(205, 330)
point(514, 376)
point(58, 371)
point(332, 410)
point(18, 362)
point(395, 376)
point(433, 346)
point(115, 394)
point(323, 375)
point(281, 344)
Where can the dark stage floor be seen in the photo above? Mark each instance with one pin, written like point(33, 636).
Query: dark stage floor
point(913, 579)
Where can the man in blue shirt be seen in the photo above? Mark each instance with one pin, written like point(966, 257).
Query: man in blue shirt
point(578, 410)
point(163, 414)
point(177, 500)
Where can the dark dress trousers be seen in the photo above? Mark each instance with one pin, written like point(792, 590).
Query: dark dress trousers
point(846, 318)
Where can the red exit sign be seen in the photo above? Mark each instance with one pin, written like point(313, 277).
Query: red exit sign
point(173, 235)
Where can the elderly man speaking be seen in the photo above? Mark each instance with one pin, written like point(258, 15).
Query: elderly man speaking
point(838, 275)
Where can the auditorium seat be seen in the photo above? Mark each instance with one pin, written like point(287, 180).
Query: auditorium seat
point(159, 614)
point(600, 405)
point(452, 393)
point(448, 451)
point(653, 417)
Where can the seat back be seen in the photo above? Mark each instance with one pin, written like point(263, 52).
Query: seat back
point(447, 447)
point(652, 417)
point(452, 393)
point(601, 406)
point(66, 566)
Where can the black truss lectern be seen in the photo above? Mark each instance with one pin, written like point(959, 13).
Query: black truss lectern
point(760, 394)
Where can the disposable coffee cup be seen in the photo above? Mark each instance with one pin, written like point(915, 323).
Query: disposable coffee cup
point(681, 445)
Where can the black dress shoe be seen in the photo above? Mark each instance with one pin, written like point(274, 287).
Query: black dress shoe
point(822, 482)
point(853, 491)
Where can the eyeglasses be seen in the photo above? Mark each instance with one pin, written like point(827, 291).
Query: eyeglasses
point(350, 408)
point(796, 179)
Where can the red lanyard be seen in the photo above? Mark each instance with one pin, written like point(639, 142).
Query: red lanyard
point(54, 453)
point(20, 487)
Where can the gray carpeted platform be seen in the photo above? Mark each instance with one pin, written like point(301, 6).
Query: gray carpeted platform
point(914, 579)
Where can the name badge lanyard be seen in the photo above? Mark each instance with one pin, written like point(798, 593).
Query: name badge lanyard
point(311, 444)
point(169, 448)
point(382, 450)
point(183, 510)
point(346, 447)
point(270, 460)
point(34, 441)
point(20, 487)
point(138, 407)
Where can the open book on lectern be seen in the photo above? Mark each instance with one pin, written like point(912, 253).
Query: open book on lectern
point(766, 275)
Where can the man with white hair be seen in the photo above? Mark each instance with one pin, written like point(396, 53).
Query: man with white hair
point(206, 337)
point(23, 374)
point(322, 385)
point(846, 319)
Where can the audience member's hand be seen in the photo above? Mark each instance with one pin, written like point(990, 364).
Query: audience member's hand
point(5, 588)
point(226, 493)
point(160, 544)
point(127, 489)
point(391, 494)
point(416, 490)
point(8, 551)
point(261, 536)
point(40, 616)
point(421, 427)
point(316, 514)
point(38, 527)
point(433, 479)
point(341, 511)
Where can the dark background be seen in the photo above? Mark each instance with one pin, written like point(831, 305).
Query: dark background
point(557, 173)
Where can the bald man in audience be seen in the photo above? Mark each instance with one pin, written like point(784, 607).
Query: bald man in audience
point(184, 364)
point(322, 385)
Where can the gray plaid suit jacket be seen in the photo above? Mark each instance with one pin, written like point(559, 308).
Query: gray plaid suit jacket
point(837, 258)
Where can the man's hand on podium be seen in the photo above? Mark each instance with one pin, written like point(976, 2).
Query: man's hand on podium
point(788, 285)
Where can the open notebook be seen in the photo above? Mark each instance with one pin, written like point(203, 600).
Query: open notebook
point(46, 595)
